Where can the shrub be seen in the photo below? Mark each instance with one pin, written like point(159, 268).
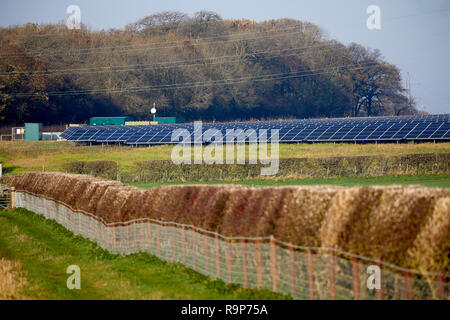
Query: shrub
point(103, 169)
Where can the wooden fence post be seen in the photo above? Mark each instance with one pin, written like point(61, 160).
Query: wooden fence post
point(310, 274)
point(110, 240)
point(408, 283)
point(273, 260)
point(149, 236)
point(195, 250)
point(135, 236)
point(13, 197)
point(184, 246)
point(258, 264)
point(158, 241)
point(114, 238)
point(46, 213)
point(127, 227)
point(441, 286)
point(79, 222)
point(101, 233)
point(380, 291)
point(332, 276)
point(139, 239)
point(244, 262)
point(355, 273)
point(174, 247)
point(166, 242)
point(101, 227)
point(229, 269)
point(217, 255)
point(293, 273)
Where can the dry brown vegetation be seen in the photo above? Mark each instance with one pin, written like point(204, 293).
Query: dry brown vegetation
point(11, 280)
point(404, 225)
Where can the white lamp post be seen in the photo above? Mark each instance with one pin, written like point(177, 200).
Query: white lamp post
point(153, 111)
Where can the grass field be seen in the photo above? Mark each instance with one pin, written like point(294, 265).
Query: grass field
point(21, 156)
point(34, 252)
point(440, 181)
point(34, 255)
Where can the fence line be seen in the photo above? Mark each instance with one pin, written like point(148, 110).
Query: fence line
point(253, 262)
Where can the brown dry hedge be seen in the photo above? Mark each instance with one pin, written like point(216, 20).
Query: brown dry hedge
point(405, 225)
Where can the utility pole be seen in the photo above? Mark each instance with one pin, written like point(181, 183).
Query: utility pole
point(409, 81)
point(408, 87)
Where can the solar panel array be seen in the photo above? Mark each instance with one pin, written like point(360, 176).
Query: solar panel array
point(369, 129)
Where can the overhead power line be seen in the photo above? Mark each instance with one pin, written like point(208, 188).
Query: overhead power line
point(166, 64)
point(268, 77)
point(86, 32)
point(131, 48)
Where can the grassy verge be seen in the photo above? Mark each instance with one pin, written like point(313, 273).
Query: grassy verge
point(22, 156)
point(37, 252)
point(441, 181)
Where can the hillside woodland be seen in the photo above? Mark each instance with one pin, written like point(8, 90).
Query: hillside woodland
point(199, 67)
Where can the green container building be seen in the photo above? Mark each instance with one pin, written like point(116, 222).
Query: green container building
point(33, 131)
point(109, 121)
point(169, 120)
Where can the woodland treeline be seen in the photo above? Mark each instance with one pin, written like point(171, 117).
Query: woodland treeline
point(199, 67)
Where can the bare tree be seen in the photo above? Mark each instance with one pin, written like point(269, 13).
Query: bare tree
point(376, 83)
point(206, 16)
point(166, 18)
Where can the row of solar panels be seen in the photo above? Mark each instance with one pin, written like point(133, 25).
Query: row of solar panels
point(423, 128)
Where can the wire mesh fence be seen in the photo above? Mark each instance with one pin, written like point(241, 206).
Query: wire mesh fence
point(5, 197)
point(262, 262)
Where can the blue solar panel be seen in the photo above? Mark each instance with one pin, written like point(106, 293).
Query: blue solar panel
point(431, 127)
point(68, 132)
point(88, 134)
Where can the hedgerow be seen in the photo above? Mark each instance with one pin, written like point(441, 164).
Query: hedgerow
point(404, 225)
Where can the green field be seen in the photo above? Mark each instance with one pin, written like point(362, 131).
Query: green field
point(34, 255)
point(21, 156)
point(439, 181)
point(34, 252)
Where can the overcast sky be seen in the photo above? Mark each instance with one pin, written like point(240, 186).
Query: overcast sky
point(414, 34)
